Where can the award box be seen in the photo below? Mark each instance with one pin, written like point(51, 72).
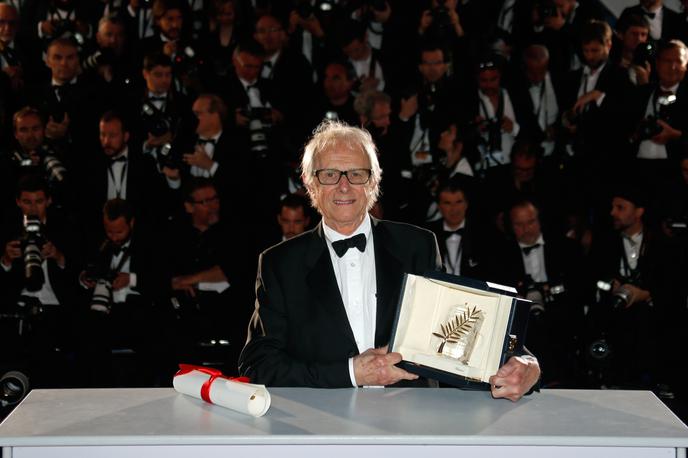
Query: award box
point(457, 330)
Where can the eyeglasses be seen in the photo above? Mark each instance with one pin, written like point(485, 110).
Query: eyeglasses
point(210, 200)
point(332, 176)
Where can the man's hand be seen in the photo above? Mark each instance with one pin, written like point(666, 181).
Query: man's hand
point(240, 119)
point(642, 73)
point(369, 83)
point(57, 130)
point(121, 281)
point(47, 28)
point(49, 251)
point(185, 283)
point(408, 107)
point(170, 173)
point(507, 125)
point(667, 134)
point(515, 378)
point(637, 294)
point(158, 141)
point(169, 48)
point(86, 281)
point(12, 252)
point(199, 158)
point(585, 99)
point(376, 367)
point(425, 22)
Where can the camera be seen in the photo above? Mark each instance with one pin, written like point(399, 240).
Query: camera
point(259, 125)
point(154, 120)
point(441, 20)
point(304, 9)
point(618, 298)
point(187, 62)
point(14, 385)
point(644, 53)
point(32, 241)
point(101, 300)
point(649, 127)
point(54, 168)
point(104, 56)
point(541, 294)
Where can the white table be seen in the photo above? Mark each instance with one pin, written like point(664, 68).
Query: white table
point(303, 422)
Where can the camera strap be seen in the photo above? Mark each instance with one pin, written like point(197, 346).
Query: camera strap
point(125, 257)
point(542, 104)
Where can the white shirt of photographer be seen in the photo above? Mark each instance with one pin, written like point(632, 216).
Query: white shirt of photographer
point(488, 111)
point(120, 296)
point(209, 149)
point(355, 274)
point(647, 148)
point(534, 262)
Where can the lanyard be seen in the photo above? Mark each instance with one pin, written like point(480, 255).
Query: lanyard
point(543, 102)
point(632, 274)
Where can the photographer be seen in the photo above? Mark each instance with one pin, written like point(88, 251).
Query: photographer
point(546, 269)
point(660, 113)
point(120, 286)
point(30, 154)
point(208, 267)
point(640, 268)
point(172, 41)
point(62, 19)
point(160, 110)
point(492, 118)
point(632, 49)
point(665, 23)
point(37, 276)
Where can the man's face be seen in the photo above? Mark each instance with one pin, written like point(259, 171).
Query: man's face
point(29, 132)
point(118, 230)
point(209, 124)
point(595, 53)
point(8, 23)
point(204, 207)
point(336, 83)
point(633, 36)
point(33, 203)
point(536, 70)
point(158, 79)
point(488, 81)
point(523, 168)
point(343, 205)
point(432, 65)
point(111, 35)
point(625, 214)
point(63, 62)
point(671, 67)
point(453, 206)
point(292, 221)
point(356, 50)
point(113, 139)
point(247, 66)
point(525, 224)
point(170, 24)
point(225, 14)
point(379, 116)
point(270, 34)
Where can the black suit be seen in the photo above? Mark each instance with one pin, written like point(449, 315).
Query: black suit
point(300, 334)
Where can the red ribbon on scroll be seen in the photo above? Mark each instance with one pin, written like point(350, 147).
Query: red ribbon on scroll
point(214, 374)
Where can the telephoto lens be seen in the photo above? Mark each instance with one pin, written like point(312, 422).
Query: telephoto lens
point(14, 385)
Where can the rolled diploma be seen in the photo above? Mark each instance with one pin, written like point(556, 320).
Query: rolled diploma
point(243, 397)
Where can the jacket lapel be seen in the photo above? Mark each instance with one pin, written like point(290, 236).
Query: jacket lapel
point(389, 273)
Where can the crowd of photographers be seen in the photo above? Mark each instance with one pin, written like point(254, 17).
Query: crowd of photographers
point(150, 151)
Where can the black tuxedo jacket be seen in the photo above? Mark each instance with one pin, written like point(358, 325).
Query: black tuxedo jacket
point(300, 334)
point(519, 92)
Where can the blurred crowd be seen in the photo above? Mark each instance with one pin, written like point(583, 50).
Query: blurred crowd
point(149, 151)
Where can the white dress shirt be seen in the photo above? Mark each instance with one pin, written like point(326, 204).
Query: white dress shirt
point(356, 279)
point(117, 177)
point(488, 111)
point(209, 149)
point(545, 107)
point(647, 148)
point(534, 262)
point(631, 246)
point(362, 68)
point(120, 296)
point(452, 261)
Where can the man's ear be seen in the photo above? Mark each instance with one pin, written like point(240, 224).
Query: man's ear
point(188, 207)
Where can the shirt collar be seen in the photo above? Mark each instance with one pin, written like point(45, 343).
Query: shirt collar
point(215, 137)
point(540, 240)
point(589, 71)
point(673, 88)
point(54, 82)
point(332, 236)
point(446, 227)
point(124, 153)
point(246, 84)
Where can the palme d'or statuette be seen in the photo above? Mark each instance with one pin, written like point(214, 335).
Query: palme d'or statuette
point(460, 333)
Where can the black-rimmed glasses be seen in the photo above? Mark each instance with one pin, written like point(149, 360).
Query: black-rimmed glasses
point(332, 176)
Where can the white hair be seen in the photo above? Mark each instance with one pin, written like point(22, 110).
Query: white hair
point(336, 134)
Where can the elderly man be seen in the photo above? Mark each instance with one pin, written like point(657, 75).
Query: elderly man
point(326, 299)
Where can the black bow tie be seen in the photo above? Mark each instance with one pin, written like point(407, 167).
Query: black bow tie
point(268, 63)
point(204, 141)
point(527, 249)
point(117, 249)
point(649, 14)
point(155, 98)
point(118, 159)
point(458, 232)
point(342, 246)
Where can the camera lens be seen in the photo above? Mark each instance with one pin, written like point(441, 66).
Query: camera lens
point(13, 387)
